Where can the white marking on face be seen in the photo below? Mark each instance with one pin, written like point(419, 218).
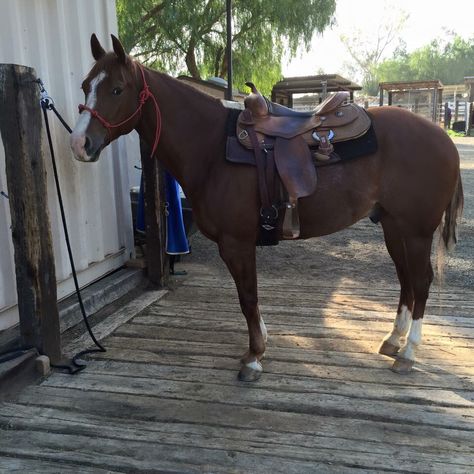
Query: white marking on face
point(78, 135)
point(413, 340)
point(400, 326)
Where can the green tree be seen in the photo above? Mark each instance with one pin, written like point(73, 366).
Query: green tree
point(449, 61)
point(189, 36)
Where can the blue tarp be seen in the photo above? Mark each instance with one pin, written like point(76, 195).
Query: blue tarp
point(176, 240)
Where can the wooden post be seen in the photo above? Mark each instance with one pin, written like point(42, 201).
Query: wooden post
point(21, 131)
point(381, 96)
point(417, 105)
point(155, 224)
point(390, 97)
point(434, 98)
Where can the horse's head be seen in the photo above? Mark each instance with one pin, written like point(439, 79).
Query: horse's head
point(112, 101)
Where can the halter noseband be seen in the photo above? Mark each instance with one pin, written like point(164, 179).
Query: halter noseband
point(143, 96)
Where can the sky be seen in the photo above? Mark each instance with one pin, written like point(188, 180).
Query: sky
point(428, 19)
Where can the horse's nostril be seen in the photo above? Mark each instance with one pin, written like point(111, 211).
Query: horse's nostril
point(87, 145)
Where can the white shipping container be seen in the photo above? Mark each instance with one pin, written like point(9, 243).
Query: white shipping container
point(52, 36)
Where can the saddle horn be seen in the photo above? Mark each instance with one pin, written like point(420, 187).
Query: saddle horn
point(255, 101)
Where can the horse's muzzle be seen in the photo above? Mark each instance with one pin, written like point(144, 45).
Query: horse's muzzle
point(84, 148)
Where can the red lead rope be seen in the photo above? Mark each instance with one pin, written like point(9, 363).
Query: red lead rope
point(144, 95)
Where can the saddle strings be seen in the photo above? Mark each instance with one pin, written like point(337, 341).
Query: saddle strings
point(143, 96)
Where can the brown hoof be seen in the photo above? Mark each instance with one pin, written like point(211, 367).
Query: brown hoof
point(250, 374)
point(402, 366)
point(388, 349)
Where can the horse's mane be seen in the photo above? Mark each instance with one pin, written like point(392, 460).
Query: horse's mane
point(196, 96)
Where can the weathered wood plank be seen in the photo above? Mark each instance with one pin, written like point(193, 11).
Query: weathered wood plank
point(122, 406)
point(15, 465)
point(328, 348)
point(278, 324)
point(307, 315)
point(314, 307)
point(296, 293)
point(310, 384)
point(282, 361)
point(243, 395)
point(139, 455)
point(259, 442)
point(202, 276)
point(318, 338)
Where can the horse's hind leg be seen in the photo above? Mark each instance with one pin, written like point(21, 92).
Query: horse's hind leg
point(396, 248)
point(240, 260)
point(418, 251)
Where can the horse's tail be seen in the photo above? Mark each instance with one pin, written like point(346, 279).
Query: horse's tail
point(448, 235)
point(451, 217)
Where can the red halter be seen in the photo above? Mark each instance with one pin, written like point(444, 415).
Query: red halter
point(144, 95)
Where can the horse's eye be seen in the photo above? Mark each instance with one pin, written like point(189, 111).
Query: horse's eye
point(117, 91)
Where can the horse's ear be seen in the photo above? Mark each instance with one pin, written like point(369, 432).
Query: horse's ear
point(97, 50)
point(118, 49)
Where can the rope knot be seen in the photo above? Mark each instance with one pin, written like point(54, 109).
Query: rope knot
point(144, 94)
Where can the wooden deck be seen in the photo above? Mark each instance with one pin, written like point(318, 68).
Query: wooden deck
point(165, 397)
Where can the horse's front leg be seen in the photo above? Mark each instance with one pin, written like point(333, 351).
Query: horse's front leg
point(240, 260)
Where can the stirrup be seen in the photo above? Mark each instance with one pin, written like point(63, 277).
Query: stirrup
point(291, 222)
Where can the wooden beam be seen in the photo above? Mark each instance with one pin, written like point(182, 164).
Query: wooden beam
point(410, 85)
point(21, 131)
point(155, 222)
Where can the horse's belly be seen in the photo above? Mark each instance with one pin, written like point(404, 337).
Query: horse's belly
point(345, 194)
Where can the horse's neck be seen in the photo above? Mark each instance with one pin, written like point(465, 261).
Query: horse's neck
point(192, 130)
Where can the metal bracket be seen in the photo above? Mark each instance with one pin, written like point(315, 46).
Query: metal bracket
point(45, 99)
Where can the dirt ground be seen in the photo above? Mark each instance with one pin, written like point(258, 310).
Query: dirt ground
point(358, 253)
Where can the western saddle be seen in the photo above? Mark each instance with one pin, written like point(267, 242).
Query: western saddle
point(295, 139)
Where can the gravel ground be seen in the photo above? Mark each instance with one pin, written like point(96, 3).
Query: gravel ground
point(357, 253)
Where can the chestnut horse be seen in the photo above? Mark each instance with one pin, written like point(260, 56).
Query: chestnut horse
point(413, 180)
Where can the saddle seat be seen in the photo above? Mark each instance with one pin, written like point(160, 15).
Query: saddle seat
point(330, 103)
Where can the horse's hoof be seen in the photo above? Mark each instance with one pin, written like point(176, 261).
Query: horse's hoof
point(250, 372)
point(402, 366)
point(388, 349)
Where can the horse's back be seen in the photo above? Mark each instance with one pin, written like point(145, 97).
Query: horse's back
point(397, 127)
